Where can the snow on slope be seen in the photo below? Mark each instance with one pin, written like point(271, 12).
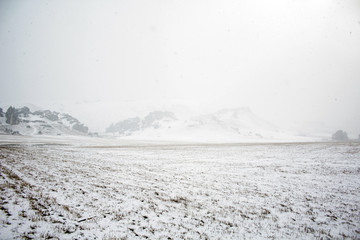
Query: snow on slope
point(226, 125)
point(26, 122)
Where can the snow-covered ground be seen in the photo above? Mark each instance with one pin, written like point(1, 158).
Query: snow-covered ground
point(67, 190)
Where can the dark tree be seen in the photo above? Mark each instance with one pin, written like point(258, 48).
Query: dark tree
point(12, 116)
point(25, 111)
point(80, 127)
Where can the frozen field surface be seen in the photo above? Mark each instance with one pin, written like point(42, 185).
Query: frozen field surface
point(229, 191)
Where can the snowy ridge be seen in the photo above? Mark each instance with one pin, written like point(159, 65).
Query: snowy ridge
point(226, 125)
point(22, 121)
point(156, 120)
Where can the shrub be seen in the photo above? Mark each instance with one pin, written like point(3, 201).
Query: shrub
point(340, 135)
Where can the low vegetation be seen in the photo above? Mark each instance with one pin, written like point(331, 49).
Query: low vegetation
point(272, 191)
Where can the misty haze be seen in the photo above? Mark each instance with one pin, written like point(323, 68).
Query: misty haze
point(172, 119)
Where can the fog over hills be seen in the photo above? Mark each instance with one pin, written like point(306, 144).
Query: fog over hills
point(225, 125)
point(171, 121)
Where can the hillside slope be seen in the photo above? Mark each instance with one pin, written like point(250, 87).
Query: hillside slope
point(226, 125)
point(22, 121)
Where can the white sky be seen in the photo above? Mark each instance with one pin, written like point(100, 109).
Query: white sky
point(289, 60)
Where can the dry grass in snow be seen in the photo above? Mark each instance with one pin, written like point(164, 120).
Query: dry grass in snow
point(247, 191)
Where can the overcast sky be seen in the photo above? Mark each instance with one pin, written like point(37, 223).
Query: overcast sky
point(297, 60)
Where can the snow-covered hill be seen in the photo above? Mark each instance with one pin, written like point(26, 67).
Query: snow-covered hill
point(226, 125)
point(23, 121)
point(153, 120)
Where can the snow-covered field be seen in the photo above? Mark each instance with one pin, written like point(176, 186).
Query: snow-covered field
point(170, 191)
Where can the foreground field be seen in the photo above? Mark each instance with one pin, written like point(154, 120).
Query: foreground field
point(262, 191)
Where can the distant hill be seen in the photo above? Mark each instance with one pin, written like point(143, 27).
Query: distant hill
point(130, 126)
point(238, 120)
point(226, 125)
point(22, 121)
